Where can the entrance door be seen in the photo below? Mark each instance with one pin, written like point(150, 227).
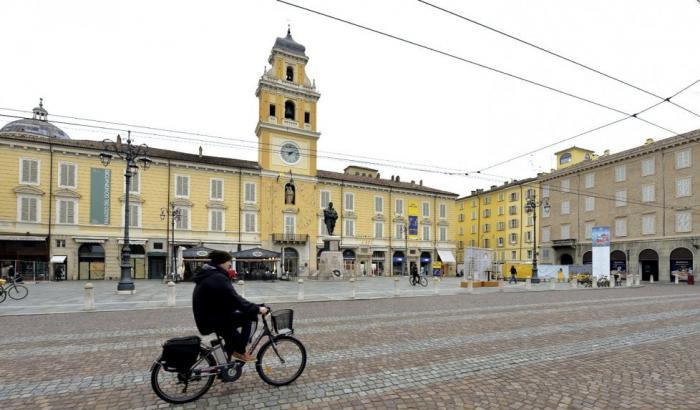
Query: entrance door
point(649, 261)
point(156, 267)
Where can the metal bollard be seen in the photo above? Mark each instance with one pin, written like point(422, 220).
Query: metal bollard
point(241, 286)
point(528, 284)
point(651, 278)
point(470, 286)
point(300, 295)
point(89, 296)
point(594, 281)
point(397, 291)
point(171, 294)
point(436, 282)
point(552, 284)
point(352, 288)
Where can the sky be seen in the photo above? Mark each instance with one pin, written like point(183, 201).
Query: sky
point(194, 66)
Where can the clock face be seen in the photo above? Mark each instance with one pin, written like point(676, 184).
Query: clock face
point(290, 153)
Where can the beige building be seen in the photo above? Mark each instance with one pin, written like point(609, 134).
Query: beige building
point(648, 196)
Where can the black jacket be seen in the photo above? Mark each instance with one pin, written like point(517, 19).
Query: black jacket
point(214, 300)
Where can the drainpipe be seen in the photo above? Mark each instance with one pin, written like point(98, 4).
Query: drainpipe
point(48, 237)
point(170, 249)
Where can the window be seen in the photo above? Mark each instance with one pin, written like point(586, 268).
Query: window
point(589, 180)
point(683, 159)
point(158, 245)
point(135, 182)
point(648, 193)
point(588, 229)
point(29, 171)
point(648, 224)
point(66, 211)
point(565, 185)
point(473, 203)
point(565, 207)
point(683, 221)
point(565, 158)
point(473, 228)
point(545, 191)
point(500, 226)
point(648, 167)
point(443, 233)
point(66, 175)
point(546, 232)
point(513, 196)
point(487, 200)
point(529, 253)
point(683, 187)
point(216, 220)
point(530, 193)
point(349, 201)
point(513, 223)
point(487, 213)
point(60, 243)
point(620, 198)
point(426, 231)
point(379, 230)
point(565, 231)
point(499, 241)
point(620, 173)
point(461, 231)
point(546, 211)
point(473, 215)
point(251, 222)
point(589, 203)
point(513, 255)
point(290, 73)
point(426, 209)
point(621, 227)
point(290, 224)
point(135, 215)
point(460, 218)
point(528, 236)
point(472, 243)
point(399, 206)
point(513, 238)
point(512, 210)
point(349, 227)
point(182, 186)
point(250, 196)
point(530, 220)
point(325, 199)
point(501, 196)
point(183, 222)
point(545, 253)
point(378, 204)
point(443, 211)
point(216, 189)
point(487, 243)
point(307, 118)
point(398, 230)
point(487, 228)
point(501, 210)
point(272, 110)
point(289, 110)
point(29, 209)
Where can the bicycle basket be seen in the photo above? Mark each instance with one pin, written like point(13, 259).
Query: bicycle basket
point(2, 282)
point(282, 321)
point(180, 353)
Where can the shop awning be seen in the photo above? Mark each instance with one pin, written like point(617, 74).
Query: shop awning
point(256, 253)
point(30, 238)
point(446, 256)
point(58, 259)
point(199, 252)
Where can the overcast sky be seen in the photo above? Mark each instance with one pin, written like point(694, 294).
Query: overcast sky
point(194, 66)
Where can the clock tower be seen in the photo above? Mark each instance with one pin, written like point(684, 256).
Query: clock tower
point(286, 129)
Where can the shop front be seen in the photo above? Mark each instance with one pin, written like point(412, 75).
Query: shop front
point(258, 263)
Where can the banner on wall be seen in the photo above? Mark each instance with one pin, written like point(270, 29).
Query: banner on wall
point(412, 219)
point(100, 195)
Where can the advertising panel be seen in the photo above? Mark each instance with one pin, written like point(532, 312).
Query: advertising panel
point(100, 195)
point(412, 219)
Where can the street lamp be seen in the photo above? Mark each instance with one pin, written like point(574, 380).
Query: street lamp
point(175, 215)
point(531, 207)
point(405, 257)
point(135, 157)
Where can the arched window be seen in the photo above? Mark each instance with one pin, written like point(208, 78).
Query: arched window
point(290, 73)
point(565, 158)
point(289, 110)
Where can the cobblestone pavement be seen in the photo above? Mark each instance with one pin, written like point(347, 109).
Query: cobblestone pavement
point(608, 348)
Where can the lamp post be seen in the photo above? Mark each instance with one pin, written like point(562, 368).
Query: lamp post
point(531, 207)
point(133, 155)
point(174, 214)
point(405, 257)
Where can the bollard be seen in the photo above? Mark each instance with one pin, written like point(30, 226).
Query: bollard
point(89, 296)
point(300, 295)
point(573, 283)
point(241, 286)
point(501, 286)
point(552, 284)
point(470, 286)
point(612, 281)
point(594, 281)
point(651, 278)
point(436, 282)
point(528, 284)
point(171, 294)
point(628, 281)
point(676, 280)
point(397, 291)
point(352, 288)
point(637, 280)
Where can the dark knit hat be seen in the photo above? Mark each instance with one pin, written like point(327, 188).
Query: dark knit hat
point(219, 257)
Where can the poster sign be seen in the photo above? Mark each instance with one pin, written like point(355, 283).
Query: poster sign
point(100, 195)
point(412, 219)
point(601, 235)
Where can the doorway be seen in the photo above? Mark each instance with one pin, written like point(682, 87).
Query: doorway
point(156, 267)
point(649, 262)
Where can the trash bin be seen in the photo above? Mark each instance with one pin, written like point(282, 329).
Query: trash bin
point(691, 279)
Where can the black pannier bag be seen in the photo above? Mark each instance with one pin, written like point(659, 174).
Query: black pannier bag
point(180, 353)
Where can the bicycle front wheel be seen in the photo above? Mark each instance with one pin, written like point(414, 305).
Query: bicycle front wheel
point(18, 292)
point(183, 387)
point(424, 281)
point(281, 363)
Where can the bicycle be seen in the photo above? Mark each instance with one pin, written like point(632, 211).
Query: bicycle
point(421, 279)
point(280, 361)
point(13, 290)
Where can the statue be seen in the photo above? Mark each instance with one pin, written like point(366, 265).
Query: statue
point(289, 194)
point(329, 218)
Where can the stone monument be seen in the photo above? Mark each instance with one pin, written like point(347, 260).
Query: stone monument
point(331, 259)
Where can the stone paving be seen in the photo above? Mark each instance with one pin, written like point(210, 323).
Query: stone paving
point(598, 349)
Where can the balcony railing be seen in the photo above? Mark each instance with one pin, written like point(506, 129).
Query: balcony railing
point(564, 243)
point(289, 238)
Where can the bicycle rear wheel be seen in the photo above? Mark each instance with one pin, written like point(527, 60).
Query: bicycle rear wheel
point(17, 292)
point(183, 387)
point(3, 295)
point(424, 281)
point(283, 363)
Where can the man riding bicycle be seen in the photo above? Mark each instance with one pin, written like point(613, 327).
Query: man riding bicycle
point(414, 274)
point(219, 309)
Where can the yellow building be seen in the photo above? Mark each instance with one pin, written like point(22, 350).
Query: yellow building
point(62, 205)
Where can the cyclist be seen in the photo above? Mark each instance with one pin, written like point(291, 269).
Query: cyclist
point(415, 278)
point(218, 308)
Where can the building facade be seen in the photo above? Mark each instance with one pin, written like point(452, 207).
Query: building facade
point(647, 196)
point(65, 207)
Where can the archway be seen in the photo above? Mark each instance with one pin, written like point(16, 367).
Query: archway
point(138, 261)
point(397, 263)
point(291, 261)
point(566, 259)
point(681, 263)
point(349, 260)
point(91, 261)
point(377, 263)
point(425, 263)
point(649, 261)
point(289, 110)
point(618, 261)
point(588, 258)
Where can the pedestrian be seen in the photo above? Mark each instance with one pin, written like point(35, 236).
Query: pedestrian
point(513, 273)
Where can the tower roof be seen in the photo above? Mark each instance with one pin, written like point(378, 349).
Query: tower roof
point(37, 125)
point(287, 44)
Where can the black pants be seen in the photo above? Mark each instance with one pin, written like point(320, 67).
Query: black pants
point(513, 279)
point(235, 340)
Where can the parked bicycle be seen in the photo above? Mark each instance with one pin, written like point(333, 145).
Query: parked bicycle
point(603, 282)
point(13, 290)
point(186, 369)
point(422, 280)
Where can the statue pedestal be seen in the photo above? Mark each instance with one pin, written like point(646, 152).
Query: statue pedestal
point(331, 261)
